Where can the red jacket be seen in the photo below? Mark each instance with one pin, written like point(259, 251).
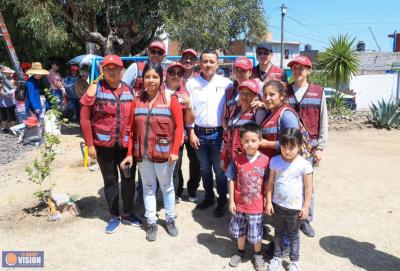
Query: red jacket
point(231, 144)
point(155, 134)
point(249, 184)
point(309, 109)
point(274, 73)
point(231, 94)
point(111, 115)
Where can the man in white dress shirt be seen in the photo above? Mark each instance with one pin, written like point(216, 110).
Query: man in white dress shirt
point(207, 94)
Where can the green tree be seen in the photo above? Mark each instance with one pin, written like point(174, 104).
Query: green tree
point(127, 26)
point(213, 24)
point(339, 62)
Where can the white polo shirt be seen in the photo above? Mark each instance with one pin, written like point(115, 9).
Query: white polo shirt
point(208, 99)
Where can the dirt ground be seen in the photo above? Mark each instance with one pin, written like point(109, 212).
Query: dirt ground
point(357, 216)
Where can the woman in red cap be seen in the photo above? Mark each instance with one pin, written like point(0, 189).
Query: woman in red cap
point(245, 111)
point(105, 122)
point(156, 136)
point(174, 86)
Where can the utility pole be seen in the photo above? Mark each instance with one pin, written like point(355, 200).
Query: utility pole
point(10, 48)
point(283, 8)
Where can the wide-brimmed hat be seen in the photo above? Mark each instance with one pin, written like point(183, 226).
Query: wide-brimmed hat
point(37, 68)
point(6, 69)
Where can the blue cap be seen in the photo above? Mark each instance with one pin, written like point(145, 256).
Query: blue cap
point(264, 45)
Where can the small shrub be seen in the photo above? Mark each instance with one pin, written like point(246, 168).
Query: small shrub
point(385, 114)
point(336, 105)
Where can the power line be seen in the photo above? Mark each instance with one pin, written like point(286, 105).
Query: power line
point(302, 36)
point(307, 27)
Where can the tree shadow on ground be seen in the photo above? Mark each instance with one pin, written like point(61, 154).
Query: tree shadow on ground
point(94, 206)
point(37, 210)
point(361, 254)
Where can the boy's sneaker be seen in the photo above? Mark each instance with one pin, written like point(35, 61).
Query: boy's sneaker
point(113, 224)
point(132, 219)
point(235, 260)
point(259, 263)
point(151, 233)
point(171, 228)
point(275, 264)
point(293, 266)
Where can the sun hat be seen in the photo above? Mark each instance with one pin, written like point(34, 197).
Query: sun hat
point(6, 69)
point(302, 60)
point(244, 63)
point(157, 44)
point(112, 59)
point(190, 51)
point(250, 84)
point(36, 68)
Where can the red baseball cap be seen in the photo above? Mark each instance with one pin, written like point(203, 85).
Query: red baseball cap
point(190, 51)
point(74, 68)
point(175, 64)
point(157, 44)
point(250, 84)
point(112, 59)
point(244, 63)
point(302, 60)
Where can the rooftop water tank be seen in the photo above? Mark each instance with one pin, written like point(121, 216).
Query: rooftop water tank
point(361, 46)
point(307, 47)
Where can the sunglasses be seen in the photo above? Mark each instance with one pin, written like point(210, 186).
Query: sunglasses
point(175, 73)
point(262, 52)
point(156, 52)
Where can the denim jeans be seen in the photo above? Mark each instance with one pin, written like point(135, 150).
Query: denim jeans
point(286, 221)
point(150, 172)
point(208, 155)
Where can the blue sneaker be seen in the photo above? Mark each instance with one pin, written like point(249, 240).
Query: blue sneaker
point(132, 220)
point(113, 224)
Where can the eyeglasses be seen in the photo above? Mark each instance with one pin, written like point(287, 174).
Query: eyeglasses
point(263, 52)
point(156, 52)
point(175, 73)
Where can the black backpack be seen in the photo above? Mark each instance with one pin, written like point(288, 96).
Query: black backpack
point(20, 92)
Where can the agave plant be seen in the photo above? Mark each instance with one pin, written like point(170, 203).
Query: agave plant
point(339, 62)
point(385, 114)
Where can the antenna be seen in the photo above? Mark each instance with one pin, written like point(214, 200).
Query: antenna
point(374, 38)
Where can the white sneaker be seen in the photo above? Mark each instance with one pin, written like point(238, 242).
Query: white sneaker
point(293, 266)
point(275, 264)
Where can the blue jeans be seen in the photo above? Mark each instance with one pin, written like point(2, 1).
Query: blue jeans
point(208, 154)
point(151, 172)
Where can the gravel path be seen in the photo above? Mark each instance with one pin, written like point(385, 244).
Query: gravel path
point(10, 149)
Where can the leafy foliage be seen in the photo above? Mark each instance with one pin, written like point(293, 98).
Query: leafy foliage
point(336, 104)
point(339, 61)
point(126, 27)
point(385, 114)
point(321, 78)
point(41, 167)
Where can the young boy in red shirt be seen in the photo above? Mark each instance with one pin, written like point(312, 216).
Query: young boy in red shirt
point(247, 174)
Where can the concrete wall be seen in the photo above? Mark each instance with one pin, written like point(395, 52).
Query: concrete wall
point(373, 87)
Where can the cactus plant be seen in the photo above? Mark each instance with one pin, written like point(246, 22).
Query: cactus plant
point(385, 114)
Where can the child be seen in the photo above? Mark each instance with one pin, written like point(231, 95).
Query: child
point(289, 191)
point(247, 174)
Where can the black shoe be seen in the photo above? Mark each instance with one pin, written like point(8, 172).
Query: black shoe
point(220, 210)
point(307, 229)
point(205, 204)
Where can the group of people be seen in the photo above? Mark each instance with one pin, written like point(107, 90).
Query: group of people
point(250, 133)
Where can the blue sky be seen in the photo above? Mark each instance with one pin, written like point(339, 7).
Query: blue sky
point(314, 21)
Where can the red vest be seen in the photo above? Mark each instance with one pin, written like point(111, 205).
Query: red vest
point(308, 109)
point(154, 129)
point(231, 95)
point(111, 116)
point(249, 184)
point(231, 144)
point(270, 129)
point(274, 73)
